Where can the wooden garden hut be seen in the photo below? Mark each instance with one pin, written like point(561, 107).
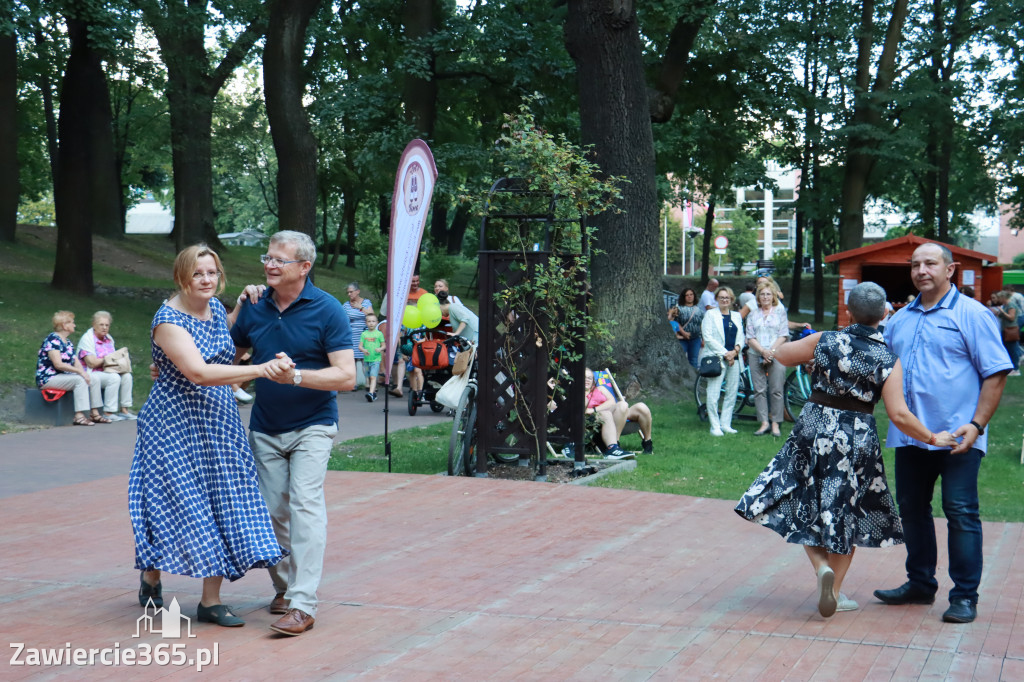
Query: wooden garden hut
point(888, 265)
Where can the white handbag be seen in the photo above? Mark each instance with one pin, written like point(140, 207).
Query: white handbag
point(451, 392)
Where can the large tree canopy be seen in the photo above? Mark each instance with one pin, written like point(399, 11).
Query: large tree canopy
point(265, 114)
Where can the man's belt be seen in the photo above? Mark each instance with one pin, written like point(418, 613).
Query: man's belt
point(841, 402)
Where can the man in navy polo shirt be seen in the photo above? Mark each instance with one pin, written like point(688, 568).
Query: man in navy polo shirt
point(295, 417)
point(954, 370)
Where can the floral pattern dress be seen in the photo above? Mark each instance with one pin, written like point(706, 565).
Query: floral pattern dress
point(827, 486)
point(44, 368)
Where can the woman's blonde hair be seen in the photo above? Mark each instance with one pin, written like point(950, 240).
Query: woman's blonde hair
point(770, 286)
point(726, 290)
point(185, 267)
point(61, 318)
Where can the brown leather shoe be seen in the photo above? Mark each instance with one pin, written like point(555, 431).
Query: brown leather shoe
point(293, 623)
point(279, 604)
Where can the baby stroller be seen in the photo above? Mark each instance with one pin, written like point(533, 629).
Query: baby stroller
point(433, 355)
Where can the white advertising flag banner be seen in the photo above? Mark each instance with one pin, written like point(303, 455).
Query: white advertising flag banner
point(414, 188)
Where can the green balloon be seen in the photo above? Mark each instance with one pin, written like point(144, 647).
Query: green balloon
point(426, 301)
point(412, 318)
point(431, 316)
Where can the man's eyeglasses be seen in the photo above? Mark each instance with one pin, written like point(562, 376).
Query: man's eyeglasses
point(212, 274)
point(277, 262)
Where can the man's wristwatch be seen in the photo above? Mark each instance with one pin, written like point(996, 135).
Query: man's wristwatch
point(981, 429)
point(297, 377)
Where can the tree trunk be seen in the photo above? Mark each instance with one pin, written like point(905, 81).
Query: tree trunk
point(191, 123)
point(339, 233)
point(284, 85)
point(419, 93)
point(95, 122)
point(709, 237)
point(46, 88)
point(604, 42)
point(867, 111)
point(383, 214)
point(9, 183)
point(324, 237)
point(348, 219)
point(672, 71)
point(457, 230)
point(945, 162)
point(72, 194)
point(928, 185)
point(439, 221)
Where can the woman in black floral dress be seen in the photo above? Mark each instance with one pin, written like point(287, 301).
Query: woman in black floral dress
point(826, 489)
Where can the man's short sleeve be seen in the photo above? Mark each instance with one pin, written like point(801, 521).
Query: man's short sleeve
point(337, 333)
point(985, 341)
point(240, 329)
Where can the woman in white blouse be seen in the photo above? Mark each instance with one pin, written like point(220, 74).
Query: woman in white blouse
point(767, 329)
point(721, 330)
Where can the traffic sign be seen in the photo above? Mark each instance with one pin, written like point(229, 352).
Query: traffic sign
point(721, 242)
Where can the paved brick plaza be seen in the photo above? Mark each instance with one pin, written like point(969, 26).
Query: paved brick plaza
point(431, 578)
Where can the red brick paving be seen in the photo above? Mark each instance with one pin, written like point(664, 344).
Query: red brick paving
point(430, 578)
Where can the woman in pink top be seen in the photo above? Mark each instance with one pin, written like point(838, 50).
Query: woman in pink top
point(601, 403)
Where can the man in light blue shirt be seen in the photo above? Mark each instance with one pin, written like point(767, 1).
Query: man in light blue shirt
point(954, 370)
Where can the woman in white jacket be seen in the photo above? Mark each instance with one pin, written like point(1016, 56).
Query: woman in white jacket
point(722, 331)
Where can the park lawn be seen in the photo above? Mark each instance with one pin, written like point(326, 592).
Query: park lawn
point(688, 460)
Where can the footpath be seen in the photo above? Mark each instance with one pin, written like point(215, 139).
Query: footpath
point(65, 455)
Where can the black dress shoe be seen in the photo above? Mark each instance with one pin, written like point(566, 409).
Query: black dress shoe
point(149, 592)
point(905, 594)
point(960, 611)
point(219, 614)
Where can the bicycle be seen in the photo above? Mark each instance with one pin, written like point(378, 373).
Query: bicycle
point(798, 383)
point(463, 440)
point(796, 392)
point(744, 395)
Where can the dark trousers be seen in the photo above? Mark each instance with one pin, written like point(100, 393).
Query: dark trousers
point(692, 348)
point(916, 472)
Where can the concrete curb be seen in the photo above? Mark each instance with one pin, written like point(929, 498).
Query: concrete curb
point(617, 468)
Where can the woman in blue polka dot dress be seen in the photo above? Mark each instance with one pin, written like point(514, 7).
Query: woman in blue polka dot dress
point(193, 494)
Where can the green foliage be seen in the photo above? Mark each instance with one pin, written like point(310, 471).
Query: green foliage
point(39, 212)
point(742, 239)
point(675, 236)
point(1018, 261)
point(244, 161)
point(372, 260)
point(783, 261)
point(437, 264)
